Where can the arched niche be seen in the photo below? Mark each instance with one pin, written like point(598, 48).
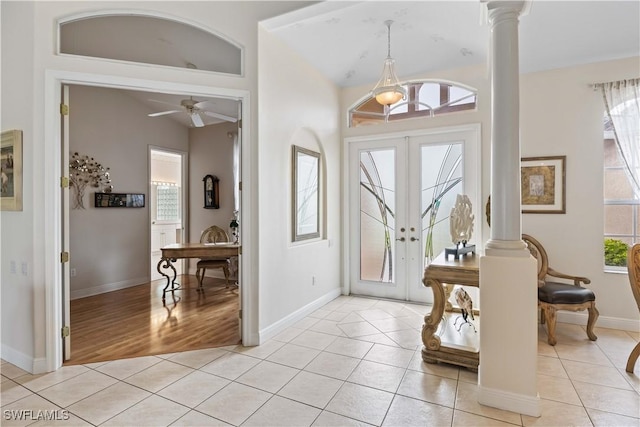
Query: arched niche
point(142, 38)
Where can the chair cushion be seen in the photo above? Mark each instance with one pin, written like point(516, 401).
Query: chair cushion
point(563, 293)
point(211, 263)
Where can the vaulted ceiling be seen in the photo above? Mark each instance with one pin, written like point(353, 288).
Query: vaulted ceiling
point(347, 41)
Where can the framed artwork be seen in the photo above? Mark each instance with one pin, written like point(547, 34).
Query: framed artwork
point(119, 200)
point(306, 194)
point(211, 193)
point(543, 184)
point(11, 169)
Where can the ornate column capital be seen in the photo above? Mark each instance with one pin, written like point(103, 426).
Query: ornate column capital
point(498, 10)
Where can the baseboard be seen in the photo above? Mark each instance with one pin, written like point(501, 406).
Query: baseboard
point(519, 403)
point(19, 359)
point(107, 287)
point(40, 366)
point(287, 321)
point(579, 318)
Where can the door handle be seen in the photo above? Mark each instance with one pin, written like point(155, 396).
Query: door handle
point(414, 239)
point(402, 239)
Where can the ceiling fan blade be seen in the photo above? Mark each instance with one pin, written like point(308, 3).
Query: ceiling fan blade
point(203, 105)
point(219, 116)
point(196, 120)
point(166, 103)
point(163, 113)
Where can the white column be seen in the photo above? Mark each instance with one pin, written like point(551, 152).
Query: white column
point(507, 375)
point(506, 227)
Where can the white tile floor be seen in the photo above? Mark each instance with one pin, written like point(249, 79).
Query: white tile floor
point(355, 361)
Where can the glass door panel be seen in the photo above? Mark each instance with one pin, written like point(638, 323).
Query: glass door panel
point(377, 208)
point(377, 200)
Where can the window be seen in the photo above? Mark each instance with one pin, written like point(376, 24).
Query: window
point(135, 37)
point(621, 208)
point(424, 99)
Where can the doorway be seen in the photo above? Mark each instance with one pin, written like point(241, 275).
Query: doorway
point(167, 203)
point(55, 145)
point(401, 191)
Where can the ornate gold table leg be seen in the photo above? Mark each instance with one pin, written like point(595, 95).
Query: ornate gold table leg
point(171, 281)
point(447, 293)
point(430, 340)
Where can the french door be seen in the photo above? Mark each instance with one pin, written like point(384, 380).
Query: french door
point(401, 191)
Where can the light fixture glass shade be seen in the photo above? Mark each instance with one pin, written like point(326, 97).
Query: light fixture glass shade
point(388, 90)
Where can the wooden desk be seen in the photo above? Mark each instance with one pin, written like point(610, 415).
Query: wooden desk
point(442, 342)
point(171, 253)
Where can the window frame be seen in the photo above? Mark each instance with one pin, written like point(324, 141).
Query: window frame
point(633, 203)
point(412, 103)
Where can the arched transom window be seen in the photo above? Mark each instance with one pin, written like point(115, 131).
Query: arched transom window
point(140, 38)
point(424, 99)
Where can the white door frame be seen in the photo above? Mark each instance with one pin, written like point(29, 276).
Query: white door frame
point(184, 196)
point(474, 145)
point(52, 238)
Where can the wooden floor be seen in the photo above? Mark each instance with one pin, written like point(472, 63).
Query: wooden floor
point(134, 322)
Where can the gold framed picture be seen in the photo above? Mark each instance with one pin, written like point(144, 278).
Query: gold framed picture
point(11, 169)
point(543, 184)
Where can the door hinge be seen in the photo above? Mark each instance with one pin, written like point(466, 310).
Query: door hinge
point(240, 186)
point(65, 331)
point(240, 314)
point(64, 109)
point(240, 250)
point(240, 124)
point(64, 257)
point(64, 182)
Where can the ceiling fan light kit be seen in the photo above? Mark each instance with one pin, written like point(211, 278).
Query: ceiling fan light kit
point(388, 90)
point(193, 109)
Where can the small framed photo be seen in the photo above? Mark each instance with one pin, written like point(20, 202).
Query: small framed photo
point(543, 184)
point(11, 168)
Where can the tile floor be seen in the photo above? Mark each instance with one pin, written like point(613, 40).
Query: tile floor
point(354, 362)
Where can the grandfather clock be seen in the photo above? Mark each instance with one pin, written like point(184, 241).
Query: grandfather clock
point(211, 194)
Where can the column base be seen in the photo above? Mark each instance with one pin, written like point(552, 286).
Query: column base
point(506, 248)
point(522, 404)
point(508, 333)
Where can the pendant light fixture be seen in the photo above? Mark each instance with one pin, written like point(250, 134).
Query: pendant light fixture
point(388, 90)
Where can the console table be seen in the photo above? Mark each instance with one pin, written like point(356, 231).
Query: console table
point(171, 253)
point(442, 342)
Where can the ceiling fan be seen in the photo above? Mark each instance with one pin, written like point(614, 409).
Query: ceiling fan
point(194, 109)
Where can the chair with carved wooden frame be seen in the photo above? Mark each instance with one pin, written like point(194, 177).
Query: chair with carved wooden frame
point(633, 267)
point(554, 296)
point(213, 234)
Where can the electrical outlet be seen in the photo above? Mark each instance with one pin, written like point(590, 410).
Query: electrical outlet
point(24, 268)
point(72, 272)
point(12, 267)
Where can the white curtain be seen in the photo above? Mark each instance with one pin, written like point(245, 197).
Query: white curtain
point(234, 265)
point(236, 173)
point(622, 103)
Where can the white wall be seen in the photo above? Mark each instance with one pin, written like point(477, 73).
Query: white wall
point(109, 247)
point(297, 106)
point(562, 115)
point(19, 293)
